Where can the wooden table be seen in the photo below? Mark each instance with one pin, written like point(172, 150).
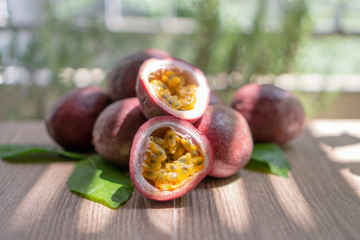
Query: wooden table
point(320, 199)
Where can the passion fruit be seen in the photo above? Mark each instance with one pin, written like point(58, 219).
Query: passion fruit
point(115, 129)
point(72, 118)
point(230, 137)
point(273, 114)
point(121, 80)
point(169, 157)
point(172, 87)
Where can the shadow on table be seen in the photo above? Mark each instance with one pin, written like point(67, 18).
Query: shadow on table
point(316, 202)
point(321, 205)
point(323, 186)
point(340, 140)
point(212, 182)
point(324, 203)
point(260, 213)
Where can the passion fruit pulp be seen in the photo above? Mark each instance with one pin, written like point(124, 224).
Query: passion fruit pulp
point(172, 87)
point(273, 114)
point(72, 118)
point(169, 157)
point(230, 137)
point(115, 129)
point(121, 80)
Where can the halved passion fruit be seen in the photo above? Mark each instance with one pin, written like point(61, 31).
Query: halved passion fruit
point(121, 80)
point(172, 87)
point(168, 158)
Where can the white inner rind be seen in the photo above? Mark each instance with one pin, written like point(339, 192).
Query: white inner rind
point(197, 78)
point(143, 145)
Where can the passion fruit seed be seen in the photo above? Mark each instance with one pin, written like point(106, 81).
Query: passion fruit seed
point(170, 160)
point(170, 87)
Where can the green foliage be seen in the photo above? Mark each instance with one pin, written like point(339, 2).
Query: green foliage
point(329, 55)
point(92, 177)
point(221, 43)
point(98, 181)
point(269, 158)
point(34, 153)
point(207, 14)
point(264, 51)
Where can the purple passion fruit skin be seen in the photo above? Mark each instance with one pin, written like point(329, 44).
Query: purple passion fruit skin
point(156, 169)
point(273, 114)
point(191, 95)
point(121, 80)
point(71, 120)
point(230, 137)
point(115, 129)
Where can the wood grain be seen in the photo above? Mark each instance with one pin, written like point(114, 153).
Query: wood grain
point(320, 199)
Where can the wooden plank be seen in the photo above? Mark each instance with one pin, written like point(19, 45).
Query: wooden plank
point(35, 203)
point(320, 199)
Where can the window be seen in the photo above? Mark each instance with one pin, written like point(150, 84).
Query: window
point(4, 13)
point(145, 16)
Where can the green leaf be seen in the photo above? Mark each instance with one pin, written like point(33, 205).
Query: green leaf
point(98, 181)
point(269, 158)
point(35, 153)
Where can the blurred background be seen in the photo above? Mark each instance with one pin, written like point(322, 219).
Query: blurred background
point(311, 47)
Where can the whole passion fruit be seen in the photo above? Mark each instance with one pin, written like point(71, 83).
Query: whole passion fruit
point(115, 129)
point(172, 87)
point(121, 80)
point(230, 137)
point(273, 114)
point(72, 118)
point(169, 157)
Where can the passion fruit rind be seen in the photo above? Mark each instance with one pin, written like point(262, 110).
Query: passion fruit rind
point(115, 129)
point(154, 104)
point(121, 80)
point(274, 114)
point(230, 137)
point(71, 120)
point(154, 133)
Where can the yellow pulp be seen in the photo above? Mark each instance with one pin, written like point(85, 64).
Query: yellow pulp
point(170, 87)
point(170, 161)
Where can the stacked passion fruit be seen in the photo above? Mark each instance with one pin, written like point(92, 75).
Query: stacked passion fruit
point(166, 126)
point(168, 158)
point(172, 87)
